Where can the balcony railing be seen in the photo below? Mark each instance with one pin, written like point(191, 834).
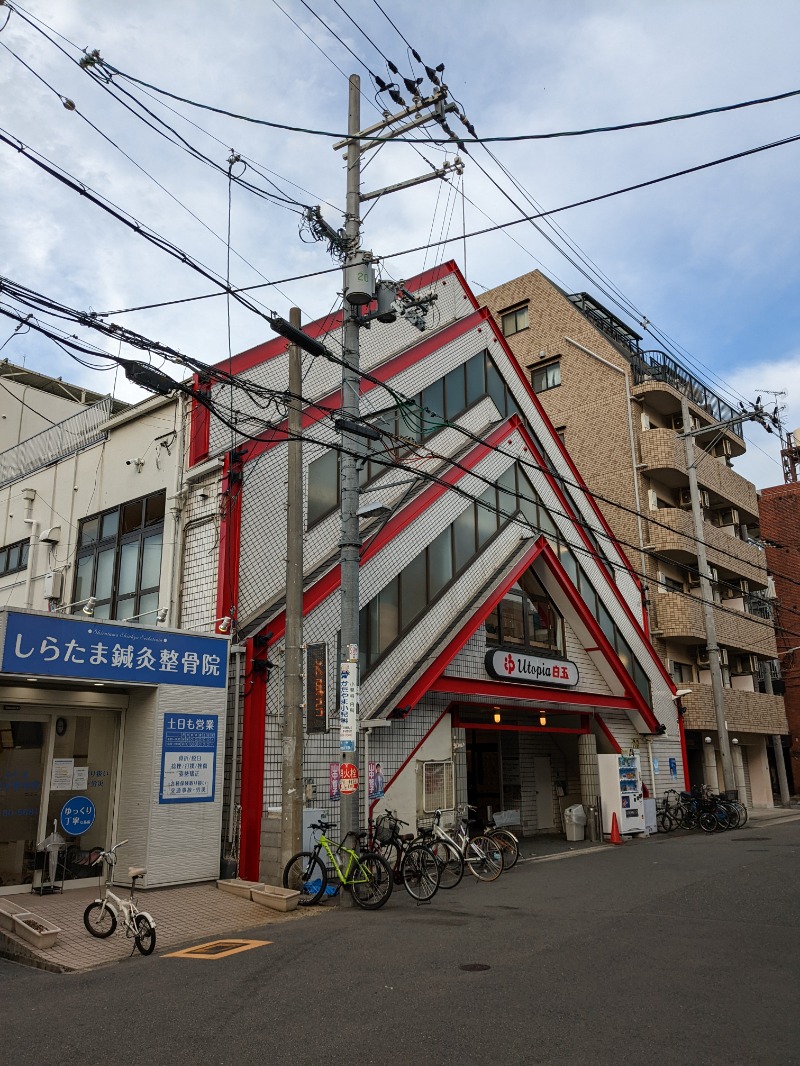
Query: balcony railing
point(658, 366)
point(65, 438)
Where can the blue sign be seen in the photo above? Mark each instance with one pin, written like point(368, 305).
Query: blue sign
point(62, 646)
point(77, 816)
point(673, 769)
point(188, 758)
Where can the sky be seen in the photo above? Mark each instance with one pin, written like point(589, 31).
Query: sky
point(709, 260)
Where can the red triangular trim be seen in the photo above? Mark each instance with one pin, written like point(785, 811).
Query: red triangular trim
point(540, 547)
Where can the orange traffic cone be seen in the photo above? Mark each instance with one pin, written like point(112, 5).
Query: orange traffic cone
point(615, 837)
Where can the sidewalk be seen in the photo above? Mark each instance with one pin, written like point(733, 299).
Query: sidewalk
point(188, 913)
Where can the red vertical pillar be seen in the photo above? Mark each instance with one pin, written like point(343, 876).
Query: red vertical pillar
point(252, 779)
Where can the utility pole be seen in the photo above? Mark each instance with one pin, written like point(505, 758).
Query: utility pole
point(706, 595)
point(350, 542)
point(292, 753)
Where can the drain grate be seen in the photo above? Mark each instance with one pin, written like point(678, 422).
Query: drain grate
point(474, 967)
point(216, 949)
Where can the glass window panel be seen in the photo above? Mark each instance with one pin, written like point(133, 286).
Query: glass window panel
point(128, 568)
point(487, 516)
point(109, 525)
point(102, 610)
point(512, 620)
point(132, 516)
point(433, 400)
point(372, 632)
point(13, 557)
point(23, 553)
point(476, 379)
point(507, 493)
point(83, 578)
point(388, 615)
point(643, 684)
point(606, 623)
point(455, 393)
point(105, 574)
point(154, 508)
point(464, 538)
point(440, 562)
point(493, 627)
point(546, 523)
point(625, 653)
point(413, 590)
point(151, 561)
point(511, 404)
point(126, 607)
point(495, 386)
point(409, 422)
point(89, 531)
point(363, 658)
point(568, 561)
point(323, 487)
point(148, 608)
point(3, 561)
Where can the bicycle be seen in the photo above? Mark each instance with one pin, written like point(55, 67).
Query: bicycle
point(413, 863)
point(101, 916)
point(368, 876)
point(504, 838)
point(479, 854)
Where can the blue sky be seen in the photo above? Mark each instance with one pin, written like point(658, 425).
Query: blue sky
point(709, 259)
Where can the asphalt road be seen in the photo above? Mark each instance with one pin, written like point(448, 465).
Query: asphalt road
point(675, 950)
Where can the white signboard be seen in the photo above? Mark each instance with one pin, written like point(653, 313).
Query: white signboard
point(61, 778)
point(80, 778)
point(508, 665)
point(348, 706)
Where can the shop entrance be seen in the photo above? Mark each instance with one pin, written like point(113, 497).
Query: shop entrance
point(484, 771)
point(57, 774)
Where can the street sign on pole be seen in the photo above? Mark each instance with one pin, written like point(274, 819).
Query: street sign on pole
point(348, 778)
point(348, 708)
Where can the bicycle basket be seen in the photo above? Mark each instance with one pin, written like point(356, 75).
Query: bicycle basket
point(385, 829)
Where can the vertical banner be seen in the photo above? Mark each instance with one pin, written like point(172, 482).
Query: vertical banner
point(334, 780)
point(348, 706)
point(316, 688)
point(188, 758)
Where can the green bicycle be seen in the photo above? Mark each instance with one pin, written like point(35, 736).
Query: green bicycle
point(368, 876)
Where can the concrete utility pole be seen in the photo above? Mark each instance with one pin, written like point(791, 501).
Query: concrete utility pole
point(350, 542)
point(706, 595)
point(292, 756)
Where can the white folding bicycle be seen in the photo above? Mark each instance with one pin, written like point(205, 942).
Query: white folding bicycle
point(101, 917)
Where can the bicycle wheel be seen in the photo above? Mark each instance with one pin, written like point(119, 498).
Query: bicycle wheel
point(484, 859)
point(420, 873)
point(373, 882)
point(305, 873)
point(743, 815)
point(733, 815)
point(99, 919)
point(391, 853)
point(665, 822)
point(145, 935)
point(708, 822)
point(450, 863)
point(509, 846)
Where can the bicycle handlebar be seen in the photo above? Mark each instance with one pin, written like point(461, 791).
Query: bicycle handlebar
point(111, 855)
point(394, 816)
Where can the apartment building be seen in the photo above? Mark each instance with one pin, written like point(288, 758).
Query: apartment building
point(620, 408)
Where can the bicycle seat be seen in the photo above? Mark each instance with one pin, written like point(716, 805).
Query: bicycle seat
point(406, 836)
point(136, 871)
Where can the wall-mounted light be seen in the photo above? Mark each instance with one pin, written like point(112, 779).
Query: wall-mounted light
point(707, 740)
point(542, 719)
point(497, 718)
point(734, 740)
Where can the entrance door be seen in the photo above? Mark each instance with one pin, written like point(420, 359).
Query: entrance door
point(23, 754)
point(543, 785)
point(484, 771)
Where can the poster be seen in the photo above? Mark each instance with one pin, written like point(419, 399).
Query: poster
point(61, 777)
point(188, 758)
point(80, 778)
point(334, 780)
point(375, 780)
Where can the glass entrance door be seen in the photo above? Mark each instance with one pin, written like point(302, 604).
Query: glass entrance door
point(23, 755)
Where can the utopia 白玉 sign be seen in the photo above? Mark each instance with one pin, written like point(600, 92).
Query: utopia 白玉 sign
point(507, 664)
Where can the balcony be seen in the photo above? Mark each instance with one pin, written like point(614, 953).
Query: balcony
point(672, 532)
point(745, 712)
point(680, 618)
point(662, 452)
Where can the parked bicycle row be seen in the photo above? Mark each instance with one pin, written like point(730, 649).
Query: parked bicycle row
point(700, 809)
point(422, 862)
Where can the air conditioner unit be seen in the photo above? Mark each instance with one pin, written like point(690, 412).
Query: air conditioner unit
point(685, 498)
point(728, 517)
point(746, 664)
point(726, 449)
point(705, 499)
point(703, 658)
point(714, 575)
point(677, 423)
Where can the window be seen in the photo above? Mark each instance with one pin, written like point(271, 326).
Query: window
point(526, 619)
point(437, 787)
point(670, 584)
point(323, 487)
point(513, 321)
point(119, 559)
point(546, 377)
point(14, 557)
point(681, 673)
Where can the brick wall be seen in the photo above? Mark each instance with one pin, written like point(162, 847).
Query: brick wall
point(780, 522)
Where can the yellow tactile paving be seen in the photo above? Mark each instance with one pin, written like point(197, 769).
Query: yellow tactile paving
point(217, 949)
